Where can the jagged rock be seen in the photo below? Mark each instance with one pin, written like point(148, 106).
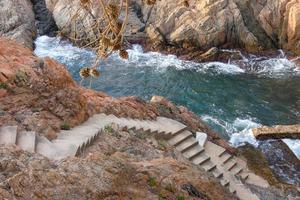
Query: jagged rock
point(277, 132)
point(250, 25)
point(64, 12)
point(253, 25)
point(17, 21)
point(44, 19)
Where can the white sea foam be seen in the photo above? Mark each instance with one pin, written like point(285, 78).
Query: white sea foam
point(294, 145)
point(65, 52)
point(243, 132)
point(240, 132)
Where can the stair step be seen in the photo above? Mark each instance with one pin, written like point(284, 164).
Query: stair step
point(230, 165)
point(232, 190)
point(222, 153)
point(208, 166)
point(180, 137)
point(44, 147)
point(171, 125)
point(193, 152)
point(8, 134)
point(26, 140)
point(78, 142)
point(237, 170)
point(217, 173)
point(244, 176)
point(226, 157)
point(200, 159)
point(63, 151)
point(186, 144)
point(224, 182)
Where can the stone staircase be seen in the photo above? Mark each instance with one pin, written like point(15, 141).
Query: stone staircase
point(231, 171)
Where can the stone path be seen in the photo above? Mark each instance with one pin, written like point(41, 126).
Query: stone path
point(231, 171)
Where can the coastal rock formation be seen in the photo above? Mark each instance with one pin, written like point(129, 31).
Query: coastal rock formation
point(17, 21)
point(44, 20)
point(251, 25)
point(277, 132)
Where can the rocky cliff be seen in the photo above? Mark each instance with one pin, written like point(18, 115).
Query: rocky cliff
point(17, 21)
point(251, 25)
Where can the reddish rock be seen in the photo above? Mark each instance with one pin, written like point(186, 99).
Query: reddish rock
point(3, 93)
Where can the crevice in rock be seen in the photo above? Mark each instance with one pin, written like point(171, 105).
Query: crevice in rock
point(253, 25)
point(45, 22)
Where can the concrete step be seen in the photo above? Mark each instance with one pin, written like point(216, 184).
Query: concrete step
point(232, 189)
point(230, 165)
point(63, 150)
point(171, 125)
point(8, 135)
point(193, 152)
point(79, 132)
point(180, 137)
point(44, 147)
point(26, 140)
point(217, 173)
point(237, 170)
point(186, 144)
point(200, 159)
point(226, 157)
point(225, 182)
point(244, 176)
point(208, 166)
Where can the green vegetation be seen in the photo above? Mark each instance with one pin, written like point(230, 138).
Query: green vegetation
point(65, 126)
point(3, 85)
point(180, 197)
point(152, 182)
point(109, 128)
point(162, 145)
point(170, 187)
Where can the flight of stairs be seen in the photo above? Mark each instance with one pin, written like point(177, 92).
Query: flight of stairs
point(231, 171)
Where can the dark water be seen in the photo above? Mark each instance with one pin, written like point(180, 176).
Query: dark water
point(230, 99)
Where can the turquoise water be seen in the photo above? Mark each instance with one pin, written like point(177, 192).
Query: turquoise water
point(231, 99)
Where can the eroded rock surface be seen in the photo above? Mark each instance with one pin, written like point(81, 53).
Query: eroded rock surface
point(251, 25)
point(17, 21)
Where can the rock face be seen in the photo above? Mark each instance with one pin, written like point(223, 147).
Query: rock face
point(251, 25)
point(17, 21)
point(44, 19)
point(277, 132)
point(65, 11)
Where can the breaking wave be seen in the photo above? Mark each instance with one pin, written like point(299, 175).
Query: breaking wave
point(270, 67)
